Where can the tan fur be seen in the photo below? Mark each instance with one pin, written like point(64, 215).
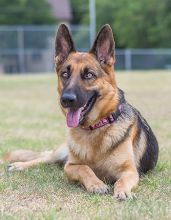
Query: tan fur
point(140, 149)
point(23, 155)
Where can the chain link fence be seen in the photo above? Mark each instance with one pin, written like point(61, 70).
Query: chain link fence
point(25, 49)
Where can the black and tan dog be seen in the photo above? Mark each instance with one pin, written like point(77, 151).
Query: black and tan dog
point(108, 139)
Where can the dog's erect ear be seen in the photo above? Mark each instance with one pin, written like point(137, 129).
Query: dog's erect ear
point(63, 44)
point(104, 46)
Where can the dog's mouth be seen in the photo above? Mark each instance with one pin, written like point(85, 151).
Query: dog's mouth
point(77, 116)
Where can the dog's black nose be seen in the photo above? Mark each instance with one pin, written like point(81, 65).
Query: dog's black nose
point(68, 100)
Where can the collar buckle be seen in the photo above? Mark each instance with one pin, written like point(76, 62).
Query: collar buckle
point(110, 119)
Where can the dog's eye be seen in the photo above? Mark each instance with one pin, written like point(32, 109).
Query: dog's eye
point(65, 75)
point(89, 75)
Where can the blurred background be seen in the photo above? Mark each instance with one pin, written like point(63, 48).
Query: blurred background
point(142, 31)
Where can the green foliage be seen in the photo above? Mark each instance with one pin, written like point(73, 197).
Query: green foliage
point(25, 12)
point(79, 10)
point(136, 24)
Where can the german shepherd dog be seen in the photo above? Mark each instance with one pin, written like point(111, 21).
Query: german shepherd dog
point(108, 139)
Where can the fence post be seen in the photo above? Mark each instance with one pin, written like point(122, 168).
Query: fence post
point(128, 59)
point(21, 54)
point(92, 17)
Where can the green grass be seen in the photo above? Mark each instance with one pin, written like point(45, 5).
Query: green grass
point(30, 118)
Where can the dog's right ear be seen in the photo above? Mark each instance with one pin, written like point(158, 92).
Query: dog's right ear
point(63, 44)
point(104, 46)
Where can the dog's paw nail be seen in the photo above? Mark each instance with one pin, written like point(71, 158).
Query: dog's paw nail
point(122, 195)
point(99, 188)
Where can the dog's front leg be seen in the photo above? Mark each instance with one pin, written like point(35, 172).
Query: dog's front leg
point(85, 175)
point(127, 180)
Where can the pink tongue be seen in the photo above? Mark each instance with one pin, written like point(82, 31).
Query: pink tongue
point(73, 117)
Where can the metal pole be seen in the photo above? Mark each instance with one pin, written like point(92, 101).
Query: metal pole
point(21, 49)
point(128, 59)
point(92, 15)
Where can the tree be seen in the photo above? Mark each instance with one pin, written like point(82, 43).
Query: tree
point(136, 24)
point(25, 12)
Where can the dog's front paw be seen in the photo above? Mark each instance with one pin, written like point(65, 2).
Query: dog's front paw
point(17, 166)
point(123, 194)
point(98, 187)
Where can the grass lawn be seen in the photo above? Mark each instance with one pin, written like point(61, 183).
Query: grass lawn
point(30, 118)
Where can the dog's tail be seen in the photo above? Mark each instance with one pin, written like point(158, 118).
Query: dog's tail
point(23, 155)
point(59, 155)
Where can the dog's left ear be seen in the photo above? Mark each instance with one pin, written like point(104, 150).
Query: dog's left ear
point(104, 46)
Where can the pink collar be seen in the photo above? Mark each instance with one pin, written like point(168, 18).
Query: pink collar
point(108, 120)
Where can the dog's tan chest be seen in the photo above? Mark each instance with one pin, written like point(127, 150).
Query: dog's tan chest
point(97, 153)
point(89, 146)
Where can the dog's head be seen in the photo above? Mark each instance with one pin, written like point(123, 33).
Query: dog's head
point(86, 82)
